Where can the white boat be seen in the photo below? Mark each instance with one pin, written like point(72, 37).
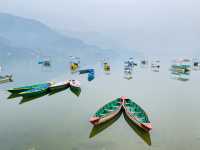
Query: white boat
point(4, 79)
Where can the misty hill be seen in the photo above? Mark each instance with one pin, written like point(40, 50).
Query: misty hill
point(9, 52)
point(21, 36)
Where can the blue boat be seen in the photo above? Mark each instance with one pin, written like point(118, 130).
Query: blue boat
point(83, 71)
point(91, 76)
point(36, 90)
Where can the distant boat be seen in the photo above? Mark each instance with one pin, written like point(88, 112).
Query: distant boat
point(45, 63)
point(74, 63)
point(74, 67)
point(106, 67)
point(144, 62)
point(196, 64)
point(180, 69)
point(90, 72)
point(91, 76)
point(4, 79)
point(155, 64)
point(83, 71)
point(181, 66)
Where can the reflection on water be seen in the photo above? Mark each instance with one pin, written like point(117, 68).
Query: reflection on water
point(27, 98)
point(61, 122)
point(181, 70)
point(101, 127)
point(30, 98)
point(144, 135)
point(180, 76)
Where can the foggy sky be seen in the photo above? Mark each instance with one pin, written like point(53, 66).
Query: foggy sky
point(158, 26)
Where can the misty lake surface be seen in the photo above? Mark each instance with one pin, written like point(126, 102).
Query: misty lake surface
point(60, 121)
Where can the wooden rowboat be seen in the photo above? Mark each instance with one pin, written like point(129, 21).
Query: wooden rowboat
point(133, 111)
point(59, 86)
point(36, 91)
point(107, 112)
point(26, 88)
point(75, 87)
point(136, 114)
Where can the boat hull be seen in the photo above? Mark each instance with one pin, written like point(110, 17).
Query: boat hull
point(97, 120)
point(145, 125)
point(59, 86)
point(25, 88)
point(136, 122)
point(35, 93)
point(104, 119)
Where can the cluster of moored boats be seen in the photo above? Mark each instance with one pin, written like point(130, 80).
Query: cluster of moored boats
point(181, 68)
point(132, 110)
point(46, 88)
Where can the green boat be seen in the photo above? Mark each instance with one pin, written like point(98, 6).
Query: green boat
point(107, 112)
point(133, 111)
point(26, 88)
point(36, 91)
point(136, 114)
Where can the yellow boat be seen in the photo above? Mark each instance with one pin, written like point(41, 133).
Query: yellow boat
point(106, 67)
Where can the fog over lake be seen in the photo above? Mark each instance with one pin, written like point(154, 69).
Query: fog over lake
point(95, 32)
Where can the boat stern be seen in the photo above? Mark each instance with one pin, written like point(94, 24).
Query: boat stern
point(94, 120)
point(148, 126)
point(74, 83)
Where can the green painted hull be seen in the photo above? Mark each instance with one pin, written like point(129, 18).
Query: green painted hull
point(107, 112)
point(133, 111)
point(31, 93)
point(137, 114)
point(75, 90)
point(25, 88)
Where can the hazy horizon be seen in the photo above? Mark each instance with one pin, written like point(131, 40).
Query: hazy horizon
point(158, 27)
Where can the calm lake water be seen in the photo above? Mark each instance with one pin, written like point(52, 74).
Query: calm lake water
point(60, 121)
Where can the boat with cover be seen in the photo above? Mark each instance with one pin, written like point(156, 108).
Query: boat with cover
point(4, 79)
point(106, 67)
point(91, 76)
point(107, 112)
point(180, 70)
point(83, 71)
point(74, 67)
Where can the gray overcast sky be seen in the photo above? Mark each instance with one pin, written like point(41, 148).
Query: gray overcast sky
point(171, 25)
